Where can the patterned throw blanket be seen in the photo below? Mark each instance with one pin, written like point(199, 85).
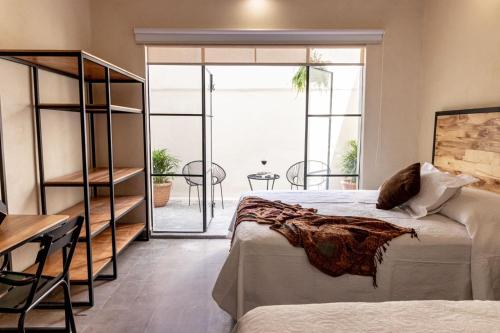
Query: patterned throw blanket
point(336, 245)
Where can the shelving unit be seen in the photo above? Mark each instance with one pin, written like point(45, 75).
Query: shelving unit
point(102, 238)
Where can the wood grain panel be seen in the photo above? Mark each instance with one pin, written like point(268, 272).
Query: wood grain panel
point(97, 176)
point(90, 108)
point(18, 229)
point(67, 62)
point(101, 252)
point(100, 211)
point(470, 143)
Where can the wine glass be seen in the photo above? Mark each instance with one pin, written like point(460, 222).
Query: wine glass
point(263, 162)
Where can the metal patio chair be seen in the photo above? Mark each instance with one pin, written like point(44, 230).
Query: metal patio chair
point(196, 168)
point(21, 292)
point(295, 174)
point(218, 175)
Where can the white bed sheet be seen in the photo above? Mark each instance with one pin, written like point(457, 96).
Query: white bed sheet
point(264, 269)
point(408, 317)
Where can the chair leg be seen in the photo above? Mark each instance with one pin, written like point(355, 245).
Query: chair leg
point(189, 200)
point(221, 196)
point(20, 323)
point(68, 309)
point(199, 202)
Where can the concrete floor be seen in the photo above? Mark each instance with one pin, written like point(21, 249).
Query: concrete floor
point(164, 285)
point(177, 216)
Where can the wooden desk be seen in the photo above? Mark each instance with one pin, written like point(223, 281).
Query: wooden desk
point(17, 230)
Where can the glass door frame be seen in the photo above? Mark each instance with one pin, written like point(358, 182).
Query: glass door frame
point(203, 114)
point(207, 116)
point(330, 115)
point(203, 175)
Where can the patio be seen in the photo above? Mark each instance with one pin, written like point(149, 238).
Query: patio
point(182, 220)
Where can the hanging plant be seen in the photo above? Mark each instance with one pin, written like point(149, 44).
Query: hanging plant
point(299, 80)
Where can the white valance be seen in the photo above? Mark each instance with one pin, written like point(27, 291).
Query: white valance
point(256, 37)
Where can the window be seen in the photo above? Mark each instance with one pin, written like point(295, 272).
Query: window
point(351, 55)
point(281, 55)
point(255, 55)
point(293, 104)
point(164, 54)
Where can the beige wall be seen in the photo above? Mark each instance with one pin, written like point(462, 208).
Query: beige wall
point(48, 24)
point(461, 62)
point(437, 54)
point(393, 130)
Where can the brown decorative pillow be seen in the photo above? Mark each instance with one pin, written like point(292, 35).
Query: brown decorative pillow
point(400, 188)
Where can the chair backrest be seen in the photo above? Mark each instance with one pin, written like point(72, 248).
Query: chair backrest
point(61, 239)
point(218, 173)
point(193, 168)
point(295, 174)
point(196, 168)
point(65, 238)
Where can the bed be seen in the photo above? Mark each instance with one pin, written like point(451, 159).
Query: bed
point(264, 269)
point(456, 256)
point(440, 316)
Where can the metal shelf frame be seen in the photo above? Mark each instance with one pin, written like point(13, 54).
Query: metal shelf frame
point(87, 128)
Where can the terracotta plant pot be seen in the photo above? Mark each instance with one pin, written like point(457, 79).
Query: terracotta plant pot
point(347, 185)
point(161, 194)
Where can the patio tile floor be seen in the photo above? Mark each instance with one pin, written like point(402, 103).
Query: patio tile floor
point(180, 219)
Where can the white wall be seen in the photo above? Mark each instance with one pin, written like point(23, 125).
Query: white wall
point(447, 48)
point(251, 126)
point(257, 116)
point(50, 24)
point(461, 63)
point(393, 89)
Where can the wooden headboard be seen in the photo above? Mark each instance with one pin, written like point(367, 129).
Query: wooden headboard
point(468, 141)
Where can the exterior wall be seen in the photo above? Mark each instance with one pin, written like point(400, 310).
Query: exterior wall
point(52, 24)
point(461, 63)
point(257, 115)
point(393, 79)
point(244, 133)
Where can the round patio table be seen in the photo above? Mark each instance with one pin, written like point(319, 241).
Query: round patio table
point(268, 177)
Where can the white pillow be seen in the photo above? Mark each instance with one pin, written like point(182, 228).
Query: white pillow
point(473, 205)
point(436, 188)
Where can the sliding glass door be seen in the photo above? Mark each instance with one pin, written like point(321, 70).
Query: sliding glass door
point(181, 147)
point(209, 178)
point(181, 123)
point(333, 127)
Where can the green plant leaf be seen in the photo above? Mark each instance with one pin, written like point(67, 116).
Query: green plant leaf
point(163, 162)
point(299, 80)
point(349, 160)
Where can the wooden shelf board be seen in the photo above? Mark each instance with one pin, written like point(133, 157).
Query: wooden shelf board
point(101, 252)
point(100, 211)
point(67, 62)
point(18, 229)
point(90, 108)
point(97, 176)
point(126, 233)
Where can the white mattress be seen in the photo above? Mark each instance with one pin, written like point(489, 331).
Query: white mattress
point(264, 269)
point(408, 317)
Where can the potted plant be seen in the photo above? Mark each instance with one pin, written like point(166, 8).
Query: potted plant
point(349, 165)
point(163, 163)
